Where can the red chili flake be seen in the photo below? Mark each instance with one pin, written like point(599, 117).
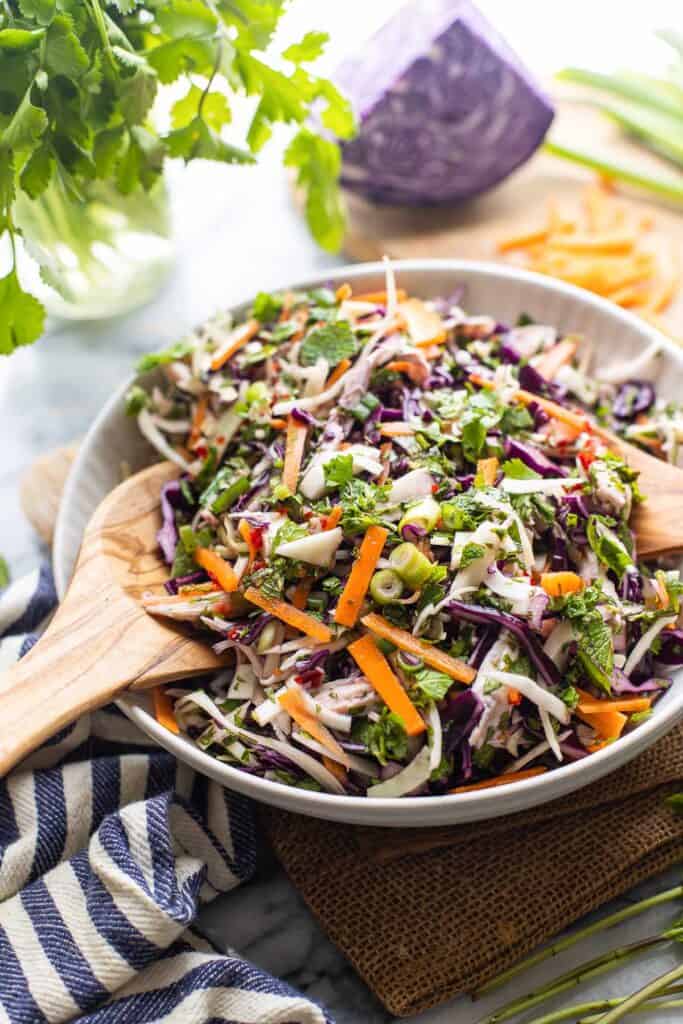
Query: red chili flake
point(257, 539)
point(220, 439)
point(435, 488)
point(234, 633)
point(201, 451)
point(259, 564)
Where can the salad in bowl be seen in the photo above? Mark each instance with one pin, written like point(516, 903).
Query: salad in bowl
point(400, 525)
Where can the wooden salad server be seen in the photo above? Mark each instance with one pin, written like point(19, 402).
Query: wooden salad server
point(658, 521)
point(101, 641)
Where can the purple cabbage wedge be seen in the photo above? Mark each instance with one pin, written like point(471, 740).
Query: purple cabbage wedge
point(446, 109)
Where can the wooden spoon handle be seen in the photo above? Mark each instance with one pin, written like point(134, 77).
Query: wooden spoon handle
point(70, 671)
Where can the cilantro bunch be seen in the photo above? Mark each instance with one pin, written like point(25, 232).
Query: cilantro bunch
point(78, 79)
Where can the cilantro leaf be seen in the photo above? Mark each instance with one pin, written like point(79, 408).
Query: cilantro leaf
point(64, 54)
point(317, 163)
point(464, 512)
point(482, 413)
point(212, 107)
point(170, 355)
point(338, 471)
point(37, 171)
point(310, 48)
point(266, 307)
point(518, 470)
point(470, 553)
point(22, 317)
point(386, 739)
point(42, 10)
point(196, 141)
point(333, 342)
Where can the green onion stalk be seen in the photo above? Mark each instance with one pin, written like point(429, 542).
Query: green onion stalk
point(606, 1011)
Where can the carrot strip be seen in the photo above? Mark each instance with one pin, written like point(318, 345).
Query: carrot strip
point(333, 518)
point(396, 430)
point(218, 569)
point(522, 240)
point(344, 291)
point(379, 674)
point(556, 584)
point(405, 641)
point(244, 530)
point(294, 452)
point(278, 424)
point(627, 704)
point(629, 295)
point(574, 419)
point(197, 420)
point(301, 592)
point(501, 780)
point(339, 371)
point(352, 596)
point(163, 710)
point(237, 340)
point(608, 724)
point(417, 373)
point(555, 358)
point(290, 615)
point(514, 696)
point(598, 244)
point(336, 769)
point(293, 704)
point(380, 297)
point(487, 471)
point(664, 294)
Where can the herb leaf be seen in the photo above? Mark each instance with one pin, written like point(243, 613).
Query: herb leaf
point(333, 342)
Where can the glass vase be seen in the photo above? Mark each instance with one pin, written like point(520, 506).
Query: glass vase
point(97, 257)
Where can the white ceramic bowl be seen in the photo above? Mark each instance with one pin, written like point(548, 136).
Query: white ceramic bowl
point(504, 293)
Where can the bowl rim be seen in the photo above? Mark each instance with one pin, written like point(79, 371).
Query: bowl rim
point(557, 782)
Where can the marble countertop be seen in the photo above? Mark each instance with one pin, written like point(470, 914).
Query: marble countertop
point(231, 247)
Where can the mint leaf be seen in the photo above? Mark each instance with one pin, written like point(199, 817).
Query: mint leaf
point(483, 412)
point(518, 470)
point(333, 342)
point(287, 532)
point(432, 684)
point(22, 317)
point(338, 471)
point(607, 546)
point(169, 355)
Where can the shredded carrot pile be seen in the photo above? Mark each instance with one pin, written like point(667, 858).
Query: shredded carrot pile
point(605, 249)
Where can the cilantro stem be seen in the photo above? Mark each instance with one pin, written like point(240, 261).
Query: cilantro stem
point(583, 933)
point(98, 18)
point(207, 87)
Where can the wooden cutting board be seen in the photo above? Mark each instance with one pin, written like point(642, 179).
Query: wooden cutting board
point(470, 230)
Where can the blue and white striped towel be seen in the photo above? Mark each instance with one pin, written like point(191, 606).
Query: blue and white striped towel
point(108, 848)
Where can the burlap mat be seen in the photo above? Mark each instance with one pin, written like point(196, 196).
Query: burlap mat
point(425, 914)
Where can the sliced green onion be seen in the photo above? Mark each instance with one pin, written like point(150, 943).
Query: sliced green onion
point(188, 538)
point(386, 586)
point(408, 662)
point(317, 602)
point(425, 513)
point(230, 495)
point(668, 187)
point(267, 637)
point(365, 407)
point(412, 566)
